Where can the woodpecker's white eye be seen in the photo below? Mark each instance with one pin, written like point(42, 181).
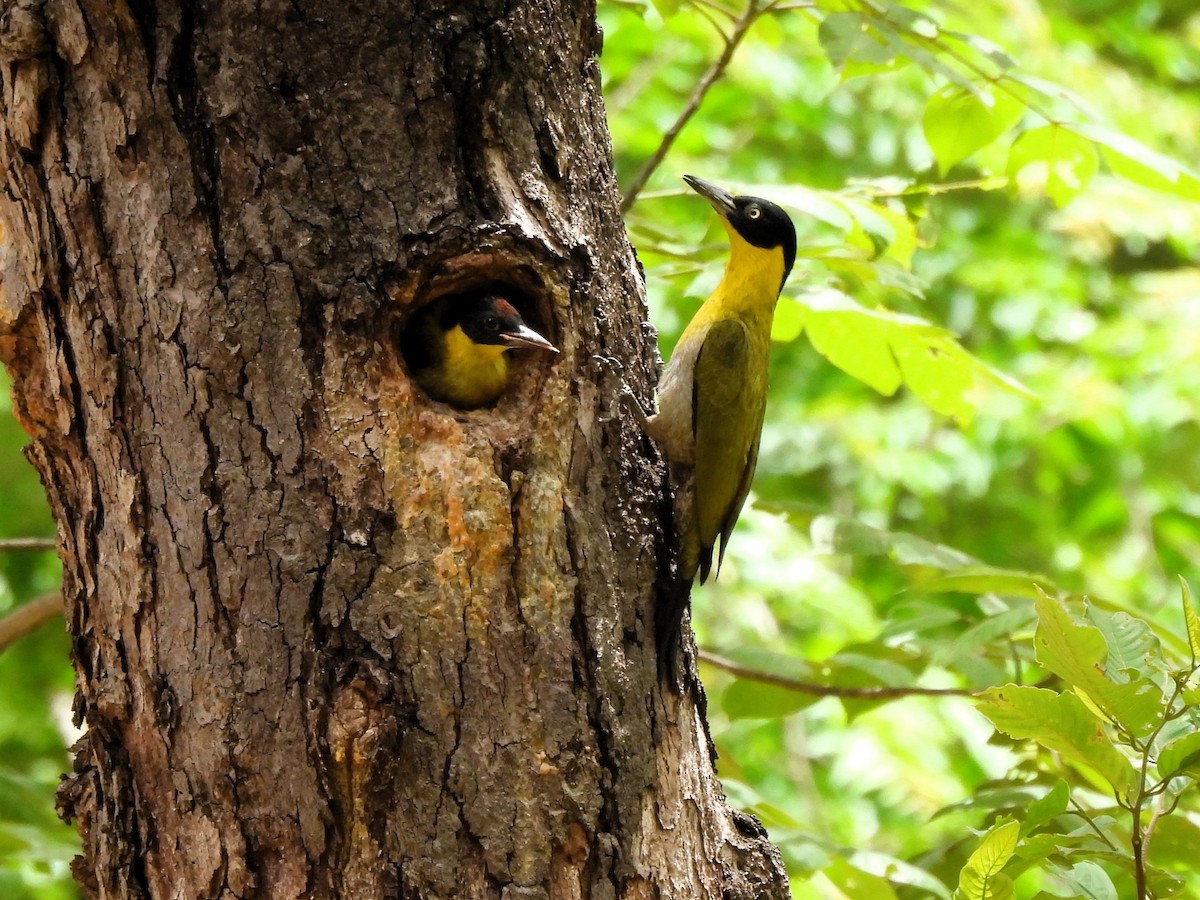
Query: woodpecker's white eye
point(754, 212)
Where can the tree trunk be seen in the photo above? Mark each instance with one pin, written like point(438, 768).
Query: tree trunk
point(334, 638)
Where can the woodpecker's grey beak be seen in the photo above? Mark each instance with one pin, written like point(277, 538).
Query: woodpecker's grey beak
point(527, 337)
point(719, 198)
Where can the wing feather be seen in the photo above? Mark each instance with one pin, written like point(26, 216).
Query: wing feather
point(728, 401)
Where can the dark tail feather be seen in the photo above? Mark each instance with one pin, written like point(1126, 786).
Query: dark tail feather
point(668, 630)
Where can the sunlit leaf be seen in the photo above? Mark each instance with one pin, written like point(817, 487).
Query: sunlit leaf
point(1078, 654)
point(1056, 160)
point(987, 580)
point(845, 36)
point(833, 535)
point(1136, 162)
point(1181, 757)
point(1191, 619)
point(853, 339)
point(981, 878)
point(747, 699)
point(1132, 646)
point(1042, 810)
point(958, 122)
point(884, 350)
point(1059, 722)
point(897, 871)
point(789, 320)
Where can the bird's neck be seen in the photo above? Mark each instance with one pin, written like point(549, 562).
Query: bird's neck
point(752, 280)
point(475, 369)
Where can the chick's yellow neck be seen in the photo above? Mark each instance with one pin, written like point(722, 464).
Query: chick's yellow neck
point(471, 374)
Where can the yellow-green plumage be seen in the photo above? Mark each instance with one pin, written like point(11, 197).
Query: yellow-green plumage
point(713, 393)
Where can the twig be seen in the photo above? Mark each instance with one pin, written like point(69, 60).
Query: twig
point(740, 28)
point(1083, 814)
point(26, 545)
point(828, 690)
point(28, 616)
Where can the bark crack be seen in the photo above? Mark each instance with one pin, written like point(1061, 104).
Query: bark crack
point(192, 122)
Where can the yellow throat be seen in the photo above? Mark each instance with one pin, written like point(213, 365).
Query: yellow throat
point(471, 374)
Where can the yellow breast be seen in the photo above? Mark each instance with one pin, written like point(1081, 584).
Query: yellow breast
point(469, 375)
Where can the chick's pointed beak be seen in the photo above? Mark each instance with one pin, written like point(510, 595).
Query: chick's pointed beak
point(524, 336)
point(719, 198)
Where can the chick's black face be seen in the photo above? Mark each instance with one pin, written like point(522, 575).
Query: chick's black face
point(491, 320)
point(765, 225)
point(487, 319)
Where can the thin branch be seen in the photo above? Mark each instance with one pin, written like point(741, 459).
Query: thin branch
point(26, 545)
point(1016, 661)
point(28, 616)
point(711, 19)
point(740, 28)
point(730, 14)
point(1139, 838)
point(828, 690)
point(1083, 814)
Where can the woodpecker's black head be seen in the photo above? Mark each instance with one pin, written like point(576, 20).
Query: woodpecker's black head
point(759, 222)
point(490, 319)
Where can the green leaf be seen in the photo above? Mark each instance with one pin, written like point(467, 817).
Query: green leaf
point(981, 878)
point(748, 699)
point(853, 339)
point(987, 580)
point(1041, 811)
point(1192, 620)
point(1059, 722)
point(1136, 162)
point(975, 641)
point(1175, 841)
point(846, 36)
point(897, 871)
point(891, 232)
point(1059, 161)
point(1158, 883)
point(1181, 757)
point(1092, 881)
point(994, 797)
point(985, 48)
point(1132, 646)
point(938, 370)
point(788, 323)
point(855, 884)
point(957, 122)
point(836, 535)
point(885, 349)
point(1079, 655)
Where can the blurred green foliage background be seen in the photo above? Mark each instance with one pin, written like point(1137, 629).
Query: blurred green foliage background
point(1078, 278)
point(35, 691)
point(1028, 311)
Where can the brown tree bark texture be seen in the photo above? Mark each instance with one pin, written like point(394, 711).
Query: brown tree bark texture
point(334, 638)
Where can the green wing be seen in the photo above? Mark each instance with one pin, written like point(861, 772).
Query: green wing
point(728, 400)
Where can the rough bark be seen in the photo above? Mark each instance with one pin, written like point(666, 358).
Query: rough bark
point(334, 638)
